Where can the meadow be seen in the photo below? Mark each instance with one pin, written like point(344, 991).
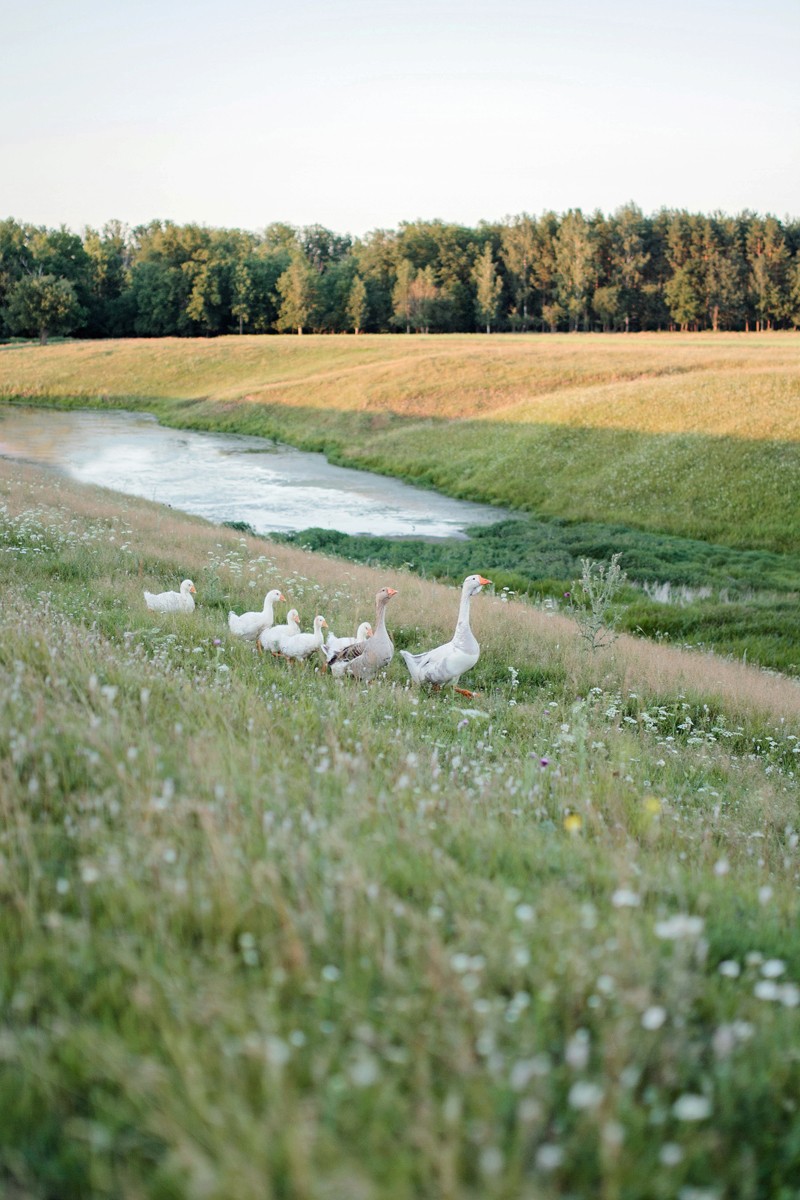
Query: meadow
point(269, 935)
point(682, 453)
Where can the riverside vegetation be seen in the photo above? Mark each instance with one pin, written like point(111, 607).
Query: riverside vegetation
point(269, 935)
point(680, 453)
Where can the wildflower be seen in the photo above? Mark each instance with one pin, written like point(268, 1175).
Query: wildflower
point(692, 1107)
point(772, 968)
point(625, 898)
point(491, 1160)
point(654, 1017)
point(544, 762)
point(652, 806)
point(730, 969)
point(577, 1050)
point(330, 973)
point(276, 1051)
point(364, 1070)
point(584, 1094)
point(573, 823)
point(670, 1154)
point(549, 1156)
point(682, 925)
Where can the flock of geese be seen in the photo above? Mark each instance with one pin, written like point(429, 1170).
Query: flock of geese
point(362, 656)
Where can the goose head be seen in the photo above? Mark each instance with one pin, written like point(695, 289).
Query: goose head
point(473, 584)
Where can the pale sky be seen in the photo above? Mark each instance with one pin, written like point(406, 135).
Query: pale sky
point(358, 115)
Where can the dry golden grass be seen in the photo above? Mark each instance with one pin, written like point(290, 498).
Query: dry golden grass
point(736, 384)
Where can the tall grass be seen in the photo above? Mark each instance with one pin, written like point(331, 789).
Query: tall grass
point(266, 934)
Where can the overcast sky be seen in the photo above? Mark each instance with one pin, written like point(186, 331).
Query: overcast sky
point(360, 114)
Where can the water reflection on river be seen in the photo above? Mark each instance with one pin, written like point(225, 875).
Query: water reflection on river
point(230, 477)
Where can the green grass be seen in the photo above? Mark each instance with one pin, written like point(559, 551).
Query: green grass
point(741, 603)
point(266, 935)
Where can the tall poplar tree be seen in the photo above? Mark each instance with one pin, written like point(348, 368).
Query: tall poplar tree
point(357, 304)
point(488, 287)
point(297, 292)
point(575, 267)
point(401, 294)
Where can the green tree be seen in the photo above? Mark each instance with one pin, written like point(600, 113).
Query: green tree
point(401, 294)
point(518, 250)
point(768, 261)
point(43, 304)
point(575, 267)
point(242, 295)
point(606, 303)
point(723, 273)
point(108, 251)
point(422, 296)
point(629, 260)
point(297, 290)
point(205, 298)
point(488, 287)
point(357, 304)
point(684, 296)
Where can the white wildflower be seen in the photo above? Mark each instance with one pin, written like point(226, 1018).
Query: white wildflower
point(692, 1107)
point(654, 1017)
point(584, 1094)
point(625, 898)
point(679, 926)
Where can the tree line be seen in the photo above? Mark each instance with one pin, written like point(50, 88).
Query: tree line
point(549, 273)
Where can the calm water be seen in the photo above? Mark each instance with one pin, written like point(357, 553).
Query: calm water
point(230, 477)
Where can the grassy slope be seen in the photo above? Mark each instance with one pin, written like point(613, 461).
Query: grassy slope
point(267, 935)
point(697, 436)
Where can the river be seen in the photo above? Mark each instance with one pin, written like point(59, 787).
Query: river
point(230, 477)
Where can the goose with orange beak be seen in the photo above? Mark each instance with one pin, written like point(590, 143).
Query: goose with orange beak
point(177, 602)
point(366, 658)
point(446, 664)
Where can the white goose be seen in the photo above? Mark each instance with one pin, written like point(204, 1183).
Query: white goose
point(446, 664)
point(302, 645)
point(270, 639)
point(178, 602)
point(250, 624)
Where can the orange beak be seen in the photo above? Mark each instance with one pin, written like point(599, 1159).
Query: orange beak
point(483, 581)
point(193, 589)
point(391, 591)
point(282, 597)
